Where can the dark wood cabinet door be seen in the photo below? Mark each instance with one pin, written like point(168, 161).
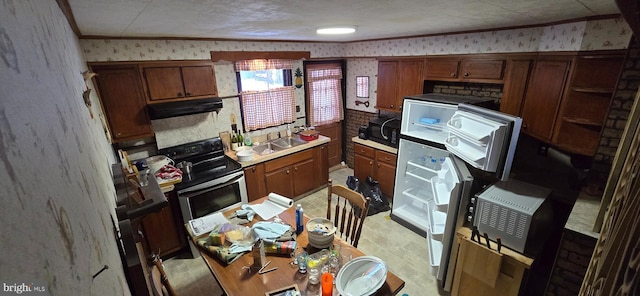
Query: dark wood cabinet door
point(543, 97)
point(515, 84)
point(255, 179)
point(122, 98)
point(164, 83)
point(482, 69)
point(438, 69)
point(410, 80)
point(362, 167)
point(162, 232)
point(387, 85)
point(280, 182)
point(386, 176)
point(305, 176)
point(199, 81)
point(385, 171)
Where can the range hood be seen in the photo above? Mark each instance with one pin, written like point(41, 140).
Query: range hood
point(186, 107)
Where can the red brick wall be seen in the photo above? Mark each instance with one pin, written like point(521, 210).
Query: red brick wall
point(354, 120)
point(571, 264)
point(619, 110)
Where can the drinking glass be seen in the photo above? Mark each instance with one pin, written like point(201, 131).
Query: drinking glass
point(302, 262)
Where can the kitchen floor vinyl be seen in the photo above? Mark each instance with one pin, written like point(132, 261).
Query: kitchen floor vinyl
point(405, 252)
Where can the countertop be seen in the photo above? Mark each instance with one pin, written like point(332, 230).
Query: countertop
point(262, 158)
point(375, 145)
point(583, 215)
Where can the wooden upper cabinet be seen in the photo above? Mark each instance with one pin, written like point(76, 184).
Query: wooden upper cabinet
point(175, 81)
point(164, 83)
point(123, 102)
point(199, 81)
point(397, 79)
point(465, 68)
point(387, 85)
point(482, 69)
point(515, 84)
point(436, 69)
point(584, 108)
point(543, 97)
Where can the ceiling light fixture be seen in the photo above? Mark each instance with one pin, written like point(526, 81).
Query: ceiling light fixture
point(336, 30)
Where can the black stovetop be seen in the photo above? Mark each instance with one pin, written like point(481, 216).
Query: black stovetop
point(208, 159)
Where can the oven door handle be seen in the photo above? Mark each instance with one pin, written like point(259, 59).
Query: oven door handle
point(197, 190)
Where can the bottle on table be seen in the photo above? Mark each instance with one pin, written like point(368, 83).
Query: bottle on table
point(234, 141)
point(299, 219)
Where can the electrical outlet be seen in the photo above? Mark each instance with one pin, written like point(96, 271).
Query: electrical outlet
point(297, 108)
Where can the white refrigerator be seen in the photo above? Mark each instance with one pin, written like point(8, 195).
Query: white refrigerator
point(444, 141)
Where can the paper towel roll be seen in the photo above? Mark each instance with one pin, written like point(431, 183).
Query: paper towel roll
point(280, 200)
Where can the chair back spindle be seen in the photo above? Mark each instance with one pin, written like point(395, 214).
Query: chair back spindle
point(349, 212)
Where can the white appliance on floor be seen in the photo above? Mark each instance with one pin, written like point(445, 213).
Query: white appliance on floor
point(444, 141)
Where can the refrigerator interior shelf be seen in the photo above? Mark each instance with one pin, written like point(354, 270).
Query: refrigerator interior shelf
point(437, 221)
point(435, 254)
point(416, 163)
point(434, 126)
point(417, 216)
point(441, 192)
point(415, 193)
point(416, 174)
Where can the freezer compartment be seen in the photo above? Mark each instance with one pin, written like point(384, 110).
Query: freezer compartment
point(426, 120)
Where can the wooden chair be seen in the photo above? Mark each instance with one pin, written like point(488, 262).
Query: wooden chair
point(159, 281)
point(349, 212)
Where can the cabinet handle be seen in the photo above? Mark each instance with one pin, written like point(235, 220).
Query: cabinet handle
point(118, 134)
point(180, 94)
point(387, 158)
point(287, 172)
point(295, 169)
point(524, 126)
point(188, 94)
point(466, 74)
point(391, 106)
point(378, 165)
point(371, 163)
point(253, 169)
point(453, 74)
point(322, 148)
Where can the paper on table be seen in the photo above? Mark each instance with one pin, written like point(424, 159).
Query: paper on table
point(274, 205)
point(207, 223)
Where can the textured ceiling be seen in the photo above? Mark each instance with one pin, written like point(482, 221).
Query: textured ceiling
point(298, 20)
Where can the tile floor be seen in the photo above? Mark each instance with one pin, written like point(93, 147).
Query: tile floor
point(405, 252)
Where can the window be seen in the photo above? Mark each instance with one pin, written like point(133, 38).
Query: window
point(267, 97)
point(324, 88)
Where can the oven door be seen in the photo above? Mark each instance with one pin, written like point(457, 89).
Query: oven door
point(213, 196)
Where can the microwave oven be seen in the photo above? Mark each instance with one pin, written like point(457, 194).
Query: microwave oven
point(518, 212)
point(385, 131)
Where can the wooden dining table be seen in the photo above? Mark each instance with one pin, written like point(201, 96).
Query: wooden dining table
point(236, 279)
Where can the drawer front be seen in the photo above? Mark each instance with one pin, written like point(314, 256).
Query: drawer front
point(364, 150)
point(284, 161)
point(386, 157)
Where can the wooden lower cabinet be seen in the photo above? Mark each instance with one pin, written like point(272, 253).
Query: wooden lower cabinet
point(163, 231)
point(291, 175)
point(385, 171)
point(378, 164)
point(254, 177)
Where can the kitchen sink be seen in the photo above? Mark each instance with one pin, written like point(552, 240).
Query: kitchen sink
point(266, 148)
point(287, 142)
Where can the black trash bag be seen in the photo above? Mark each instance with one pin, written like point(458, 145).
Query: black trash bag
point(371, 191)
